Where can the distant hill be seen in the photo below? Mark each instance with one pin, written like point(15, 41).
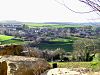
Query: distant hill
point(63, 23)
point(68, 23)
point(10, 22)
point(73, 23)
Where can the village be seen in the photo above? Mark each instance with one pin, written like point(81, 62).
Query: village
point(23, 31)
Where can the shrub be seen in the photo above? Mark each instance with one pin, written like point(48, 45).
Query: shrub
point(97, 57)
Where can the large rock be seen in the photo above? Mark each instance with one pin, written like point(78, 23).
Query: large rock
point(19, 65)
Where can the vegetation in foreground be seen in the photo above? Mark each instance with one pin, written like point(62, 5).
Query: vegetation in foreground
point(93, 66)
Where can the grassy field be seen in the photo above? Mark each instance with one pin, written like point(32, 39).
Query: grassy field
point(55, 45)
point(5, 37)
point(63, 43)
point(95, 66)
point(61, 40)
point(51, 25)
point(7, 40)
point(18, 41)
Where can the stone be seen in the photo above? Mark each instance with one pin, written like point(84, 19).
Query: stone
point(62, 71)
point(20, 65)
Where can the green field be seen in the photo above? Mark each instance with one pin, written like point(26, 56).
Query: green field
point(18, 41)
point(95, 66)
point(7, 40)
point(63, 43)
point(5, 37)
point(61, 40)
point(52, 26)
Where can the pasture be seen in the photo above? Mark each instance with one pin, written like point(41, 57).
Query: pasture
point(63, 43)
point(40, 25)
point(8, 40)
point(94, 66)
point(5, 37)
point(11, 41)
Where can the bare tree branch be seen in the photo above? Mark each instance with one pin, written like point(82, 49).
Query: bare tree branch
point(98, 0)
point(63, 3)
point(93, 4)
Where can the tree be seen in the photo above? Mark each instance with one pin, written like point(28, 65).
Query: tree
point(97, 57)
point(94, 4)
point(25, 26)
point(58, 54)
point(63, 3)
point(97, 30)
point(84, 49)
point(32, 52)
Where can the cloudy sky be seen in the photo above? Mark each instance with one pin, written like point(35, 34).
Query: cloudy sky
point(44, 11)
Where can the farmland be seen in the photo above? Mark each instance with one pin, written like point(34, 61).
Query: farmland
point(7, 40)
point(63, 43)
point(5, 37)
point(18, 41)
point(52, 25)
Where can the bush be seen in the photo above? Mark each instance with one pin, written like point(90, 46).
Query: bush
point(97, 57)
point(95, 66)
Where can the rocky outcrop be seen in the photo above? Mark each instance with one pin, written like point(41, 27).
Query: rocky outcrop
point(19, 65)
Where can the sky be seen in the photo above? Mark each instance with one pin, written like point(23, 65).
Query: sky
point(45, 11)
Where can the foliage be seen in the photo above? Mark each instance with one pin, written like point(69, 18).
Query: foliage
point(58, 54)
point(97, 57)
point(95, 66)
point(33, 52)
point(83, 48)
